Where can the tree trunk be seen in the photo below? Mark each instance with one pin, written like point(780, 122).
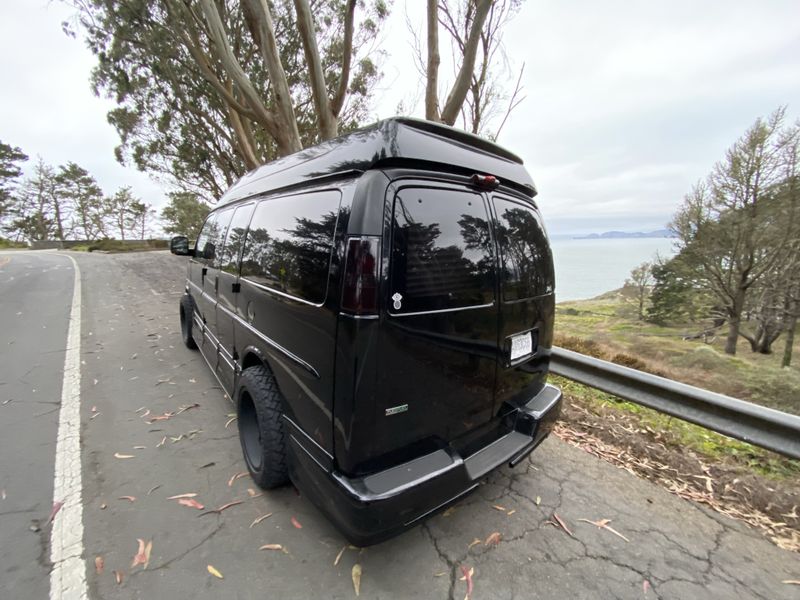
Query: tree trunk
point(326, 120)
point(59, 224)
point(787, 349)
point(734, 321)
point(431, 91)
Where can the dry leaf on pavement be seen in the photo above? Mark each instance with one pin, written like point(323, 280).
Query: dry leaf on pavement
point(143, 554)
point(274, 547)
point(179, 496)
point(128, 498)
point(56, 507)
point(119, 576)
point(493, 539)
point(791, 581)
point(235, 477)
point(99, 565)
point(468, 573)
point(339, 556)
point(296, 523)
point(500, 508)
point(118, 455)
point(562, 524)
point(259, 519)
point(603, 524)
point(474, 542)
point(191, 503)
point(214, 572)
point(449, 511)
point(356, 573)
point(221, 508)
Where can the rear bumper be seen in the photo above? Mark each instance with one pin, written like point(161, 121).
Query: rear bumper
point(373, 508)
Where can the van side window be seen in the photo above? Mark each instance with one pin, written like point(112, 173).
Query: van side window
point(289, 243)
point(204, 246)
point(441, 251)
point(524, 251)
point(229, 258)
point(217, 237)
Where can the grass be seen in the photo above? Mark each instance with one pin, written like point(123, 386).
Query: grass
point(609, 323)
point(683, 435)
point(108, 245)
point(607, 327)
point(4, 243)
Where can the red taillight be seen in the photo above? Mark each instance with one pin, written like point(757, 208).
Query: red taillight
point(360, 295)
point(485, 181)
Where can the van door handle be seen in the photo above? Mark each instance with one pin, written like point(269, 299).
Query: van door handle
point(203, 272)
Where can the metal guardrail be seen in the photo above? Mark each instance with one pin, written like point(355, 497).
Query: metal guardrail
point(758, 425)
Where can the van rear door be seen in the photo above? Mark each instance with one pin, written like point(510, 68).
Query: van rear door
point(526, 301)
point(438, 337)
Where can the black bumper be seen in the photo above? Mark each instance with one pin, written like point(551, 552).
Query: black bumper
point(373, 508)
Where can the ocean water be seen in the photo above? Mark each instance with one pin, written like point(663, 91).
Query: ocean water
point(588, 268)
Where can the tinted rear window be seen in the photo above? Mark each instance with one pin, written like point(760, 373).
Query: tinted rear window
point(527, 262)
point(288, 246)
point(441, 251)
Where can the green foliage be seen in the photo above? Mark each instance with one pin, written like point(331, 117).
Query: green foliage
point(10, 171)
point(676, 296)
point(111, 245)
point(184, 215)
point(737, 228)
point(77, 187)
point(174, 115)
point(4, 243)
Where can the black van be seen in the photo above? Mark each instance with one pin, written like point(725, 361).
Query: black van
point(380, 307)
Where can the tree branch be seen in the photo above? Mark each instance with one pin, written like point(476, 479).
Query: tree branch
point(347, 57)
point(455, 98)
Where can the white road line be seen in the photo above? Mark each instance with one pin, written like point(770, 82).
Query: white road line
point(68, 577)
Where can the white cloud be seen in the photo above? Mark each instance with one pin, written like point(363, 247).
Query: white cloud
point(628, 103)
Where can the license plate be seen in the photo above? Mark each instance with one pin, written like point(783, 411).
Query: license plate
point(521, 345)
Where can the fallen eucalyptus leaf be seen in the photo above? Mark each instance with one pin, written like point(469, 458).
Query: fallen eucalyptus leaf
point(214, 572)
point(356, 574)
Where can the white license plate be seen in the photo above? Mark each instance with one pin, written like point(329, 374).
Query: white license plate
point(521, 345)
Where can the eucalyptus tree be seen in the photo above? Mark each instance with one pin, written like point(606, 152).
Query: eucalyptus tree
point(489, 100)
point(207, 90)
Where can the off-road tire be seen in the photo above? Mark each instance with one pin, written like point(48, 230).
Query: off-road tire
point(259, 408)
point(187, 321)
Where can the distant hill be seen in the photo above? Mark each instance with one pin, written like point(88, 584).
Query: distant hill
point(615, 235)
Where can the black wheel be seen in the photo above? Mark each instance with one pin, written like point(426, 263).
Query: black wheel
point(187, 320)
point(259, 408)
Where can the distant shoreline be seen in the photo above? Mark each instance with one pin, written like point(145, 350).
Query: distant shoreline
point(618, 235)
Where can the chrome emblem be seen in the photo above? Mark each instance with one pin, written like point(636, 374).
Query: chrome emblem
point(396, 409)
point(397, 298)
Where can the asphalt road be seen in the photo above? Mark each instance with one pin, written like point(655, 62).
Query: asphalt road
point(33, 322)
point(133, 362)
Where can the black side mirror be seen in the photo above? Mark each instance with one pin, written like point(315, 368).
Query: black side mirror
point(180, 245)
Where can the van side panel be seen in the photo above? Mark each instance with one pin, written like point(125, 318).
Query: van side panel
point(295, 335)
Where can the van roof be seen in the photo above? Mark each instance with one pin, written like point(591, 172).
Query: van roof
point(399, 141)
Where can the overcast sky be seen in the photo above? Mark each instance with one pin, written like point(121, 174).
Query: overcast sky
point(628, 103)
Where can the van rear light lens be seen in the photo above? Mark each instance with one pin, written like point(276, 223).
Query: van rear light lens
point(360, 294)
